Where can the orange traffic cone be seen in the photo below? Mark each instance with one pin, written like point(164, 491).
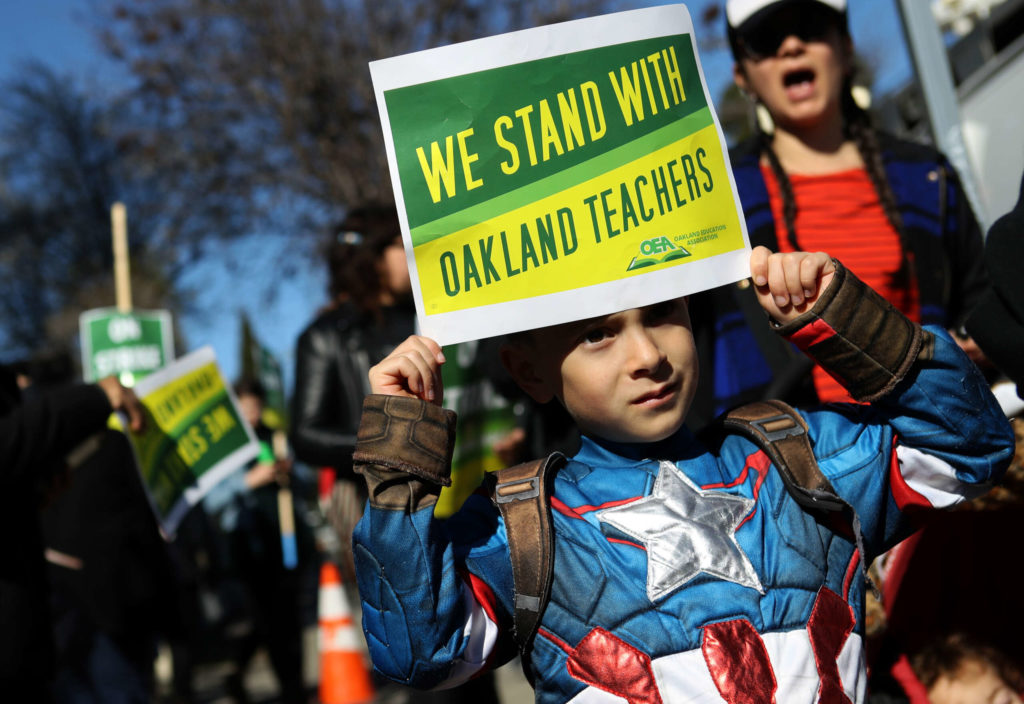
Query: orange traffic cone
point(344, 678)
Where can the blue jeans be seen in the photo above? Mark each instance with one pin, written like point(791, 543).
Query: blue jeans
point(107, 674)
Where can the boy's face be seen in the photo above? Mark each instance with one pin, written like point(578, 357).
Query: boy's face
point(625, 377)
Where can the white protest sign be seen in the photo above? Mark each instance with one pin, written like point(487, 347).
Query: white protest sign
point(559, 173)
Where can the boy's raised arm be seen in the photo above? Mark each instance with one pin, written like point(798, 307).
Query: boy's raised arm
point(845, 326)
point(425, 626)
point(933, 433)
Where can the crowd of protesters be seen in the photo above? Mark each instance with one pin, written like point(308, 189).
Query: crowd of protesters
point(89, 587)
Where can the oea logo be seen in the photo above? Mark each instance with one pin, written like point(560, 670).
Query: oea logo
point(656, 245)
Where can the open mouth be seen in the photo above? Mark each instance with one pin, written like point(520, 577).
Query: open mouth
point(794, 78)
point(798, 83)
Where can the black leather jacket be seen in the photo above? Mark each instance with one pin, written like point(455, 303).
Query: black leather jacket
point(332, 359)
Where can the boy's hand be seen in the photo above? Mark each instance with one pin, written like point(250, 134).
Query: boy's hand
point(789, 284)
point(413, 370)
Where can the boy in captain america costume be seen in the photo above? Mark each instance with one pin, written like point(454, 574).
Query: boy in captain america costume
point(681, 573)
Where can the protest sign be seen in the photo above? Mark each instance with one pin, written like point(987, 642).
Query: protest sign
point(259, 364)
point(558, 173)
point(128, 345)
point(194, 436)
point(484, 417)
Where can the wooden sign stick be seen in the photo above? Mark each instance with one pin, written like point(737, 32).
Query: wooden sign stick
point(285, 507)
point(122, 275)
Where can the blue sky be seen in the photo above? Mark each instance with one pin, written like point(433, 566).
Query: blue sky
point(58, 32)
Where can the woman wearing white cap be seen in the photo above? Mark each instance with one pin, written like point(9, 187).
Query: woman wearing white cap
point(821, 178)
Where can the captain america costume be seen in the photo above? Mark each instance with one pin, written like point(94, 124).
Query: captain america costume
point(681, 574)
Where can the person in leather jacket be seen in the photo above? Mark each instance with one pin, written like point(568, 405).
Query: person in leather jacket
point(371, 311)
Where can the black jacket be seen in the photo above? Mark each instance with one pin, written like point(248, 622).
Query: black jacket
point(332, 360)
point(997, 323)
point(34, 438)
point(126, 585)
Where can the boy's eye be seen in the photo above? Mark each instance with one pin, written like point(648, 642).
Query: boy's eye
point(595, 335)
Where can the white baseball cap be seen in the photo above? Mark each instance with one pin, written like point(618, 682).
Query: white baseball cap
point(739, 11)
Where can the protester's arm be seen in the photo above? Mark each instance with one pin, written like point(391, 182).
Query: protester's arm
point(320, 434)
point(43, 429)
point(933, 433)
point(428, 621)
point(997, 322)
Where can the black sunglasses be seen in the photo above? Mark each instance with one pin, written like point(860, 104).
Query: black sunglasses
point(808, 22)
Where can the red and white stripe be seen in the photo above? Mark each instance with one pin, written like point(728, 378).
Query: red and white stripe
point(480, 628)
point(920, 479)
point(685, 677)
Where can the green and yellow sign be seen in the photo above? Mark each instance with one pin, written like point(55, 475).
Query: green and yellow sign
point(484, 417)
point(194, 434)
point(128, 345)
point(571, 161)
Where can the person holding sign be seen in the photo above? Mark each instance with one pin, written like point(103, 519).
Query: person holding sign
point(902, 222)
point(265, 567)
point(684, 569)
point(371, 311)
point(38, 439)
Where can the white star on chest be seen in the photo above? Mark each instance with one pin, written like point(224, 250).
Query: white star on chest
point(686, 531)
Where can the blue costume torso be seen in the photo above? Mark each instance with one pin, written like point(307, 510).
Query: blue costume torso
point(682, 574)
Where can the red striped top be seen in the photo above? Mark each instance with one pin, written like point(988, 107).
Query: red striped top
point(840, 213)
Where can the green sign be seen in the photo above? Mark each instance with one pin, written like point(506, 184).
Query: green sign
point(559, 173)
point(484, 418)
point(194, 435)
point(126, 345)
point(269, 372)
point(260, 364)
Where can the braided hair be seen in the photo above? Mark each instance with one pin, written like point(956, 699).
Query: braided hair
point(858, 127)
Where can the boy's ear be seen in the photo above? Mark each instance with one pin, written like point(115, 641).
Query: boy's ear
point(522, 368)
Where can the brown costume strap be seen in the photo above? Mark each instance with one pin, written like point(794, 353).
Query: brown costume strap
point(522, 495)
point(782, 433)
point(779, 430)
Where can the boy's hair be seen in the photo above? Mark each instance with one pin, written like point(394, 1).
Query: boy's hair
point(521, 338)
point(529, 338)
point(946, 657)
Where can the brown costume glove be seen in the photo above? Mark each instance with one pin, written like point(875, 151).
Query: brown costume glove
point(404, 449)
point(858, 337)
